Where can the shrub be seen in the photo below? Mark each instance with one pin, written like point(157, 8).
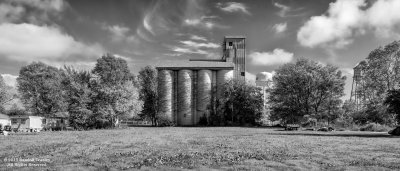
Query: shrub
point(203, 121)
point(239, 104)
point(164, 121)
point(374, 127)
point(80, 118)
point(341, 129)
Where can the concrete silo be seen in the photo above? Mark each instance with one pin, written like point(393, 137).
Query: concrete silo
point(165, 78)
point(184, 90)
point(203, 93)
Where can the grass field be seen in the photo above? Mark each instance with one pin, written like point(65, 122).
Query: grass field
point(220, 148)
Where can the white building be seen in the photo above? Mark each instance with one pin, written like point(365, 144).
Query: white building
point(4, 120)
point(26, 123)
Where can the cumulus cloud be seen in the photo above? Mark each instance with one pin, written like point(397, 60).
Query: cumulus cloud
point(283, 9)
point(276, 57)
point(265, 76)
point(28, 42)
point(347, 71)
point(345, 19)
point(10, 80)
point(233, 7)
point(337, 27)
point(280, 27)
point(384, 17)
point(34, 11)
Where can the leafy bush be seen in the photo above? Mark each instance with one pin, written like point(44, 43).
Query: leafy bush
point(80, 119)
point(374, 127)
point(239, 104)
point(354, 127)
point(164, 121)
point(203, 121)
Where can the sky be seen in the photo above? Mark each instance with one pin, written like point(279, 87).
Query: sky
point(145, 32)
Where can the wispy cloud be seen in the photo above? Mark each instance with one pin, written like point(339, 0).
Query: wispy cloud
point(200, 38)
point(128, 59)
point(118, 33)
point(280, 27)
point(146, 23)
point(283, 9)
point(233, 7)
point(194, 47)
point(188, 50)
point(193, 44)
point(203, 23)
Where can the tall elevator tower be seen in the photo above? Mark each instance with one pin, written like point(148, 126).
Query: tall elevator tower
point(357, 90)
point(234, 50)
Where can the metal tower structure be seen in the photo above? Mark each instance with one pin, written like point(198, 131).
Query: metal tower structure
point(357, 89)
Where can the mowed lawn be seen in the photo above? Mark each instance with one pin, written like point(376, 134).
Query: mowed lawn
point(219, 148)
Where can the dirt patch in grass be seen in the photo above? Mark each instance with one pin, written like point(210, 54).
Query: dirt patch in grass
point(220, 148)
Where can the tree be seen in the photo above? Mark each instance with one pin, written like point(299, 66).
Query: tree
point(7, 95)
point(382, 70)
point(393, 103)
point(78, 96)
point(306, 88)
point(239, 104)
point(381, 75)
point(116, 96)
point(120, 101)
point(147, 79)
point(15, 110)
point(112, 70)
point(3, 94)
point(40, 88)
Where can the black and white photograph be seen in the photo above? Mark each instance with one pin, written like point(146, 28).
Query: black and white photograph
point(199, 85)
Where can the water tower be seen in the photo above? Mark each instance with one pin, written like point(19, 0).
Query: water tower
point(357, 89)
